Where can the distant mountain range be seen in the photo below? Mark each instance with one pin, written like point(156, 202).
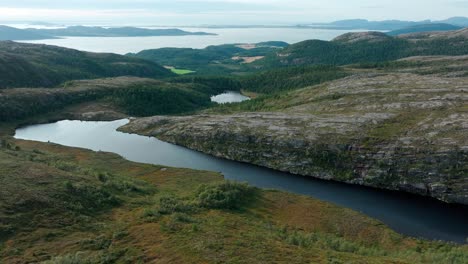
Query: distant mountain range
point(11, 33)
point(386, 24)
point(424, 28)
point(82, 31)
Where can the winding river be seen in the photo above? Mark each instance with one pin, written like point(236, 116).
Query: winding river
point(407, 214)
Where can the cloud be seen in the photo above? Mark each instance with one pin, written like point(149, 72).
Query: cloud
point(226, 11)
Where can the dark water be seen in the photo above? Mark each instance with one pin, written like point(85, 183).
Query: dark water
point(407, 214)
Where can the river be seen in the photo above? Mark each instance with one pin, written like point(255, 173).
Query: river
point(407, 214)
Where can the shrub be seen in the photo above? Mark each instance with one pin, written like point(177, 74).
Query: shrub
point(6, 230)
point(170, 205)
point(3, 143)
point(183, 218)
point(98, 243)
point(77, 258)
point(84, 198)
point(226, 195)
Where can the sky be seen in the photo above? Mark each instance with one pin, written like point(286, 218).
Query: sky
point(225, 12)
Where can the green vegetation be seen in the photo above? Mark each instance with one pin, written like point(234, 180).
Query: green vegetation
point(227, 195)
point(284, 79)
point(181, 71)
point(213, 60)
point(363, 48)
point(78, 206)
point(147, 100)
point(133, 96)
point(32, 65)
point(66, 205)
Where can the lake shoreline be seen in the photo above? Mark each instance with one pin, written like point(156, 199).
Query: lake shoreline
point(421, 201)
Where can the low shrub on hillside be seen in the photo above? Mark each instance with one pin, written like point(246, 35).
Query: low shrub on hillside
point(226, 195)
point(170, 205)
point(83, 198)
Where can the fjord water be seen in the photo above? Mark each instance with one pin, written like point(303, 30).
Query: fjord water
point(123, 45)
point(407, 214)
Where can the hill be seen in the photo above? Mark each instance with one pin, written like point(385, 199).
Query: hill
point(424, 28)
point(32, 65)
point(83, 31)
point(220, 59)
point(367, 47)
point(451, 38)
point(381, 128)
point(386, 24)
point(457, 21)
point(11, 33)
point(370, 25)
point(121, 96)
point(370, 37)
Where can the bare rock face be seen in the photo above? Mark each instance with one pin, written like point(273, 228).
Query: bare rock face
point(392, 131)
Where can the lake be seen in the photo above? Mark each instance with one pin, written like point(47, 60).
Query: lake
point(407, 214)
point(229, 97)
point(123, 45)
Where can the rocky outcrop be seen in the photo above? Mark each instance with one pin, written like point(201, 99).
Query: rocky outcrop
point(397, 131)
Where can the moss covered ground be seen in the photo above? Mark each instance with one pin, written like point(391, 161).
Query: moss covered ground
point(68, 205)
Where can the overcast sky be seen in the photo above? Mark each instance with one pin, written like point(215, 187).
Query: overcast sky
point(227, 12)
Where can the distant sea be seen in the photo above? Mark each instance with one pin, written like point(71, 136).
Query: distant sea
point(123, 45)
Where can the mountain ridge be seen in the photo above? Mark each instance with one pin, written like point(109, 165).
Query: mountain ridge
point(12, 33)
point(39, 65)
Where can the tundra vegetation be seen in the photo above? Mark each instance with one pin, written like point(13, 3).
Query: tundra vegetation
point(385, 120)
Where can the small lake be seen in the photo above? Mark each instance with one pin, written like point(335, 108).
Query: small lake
point(407, 214)
point(229, 97)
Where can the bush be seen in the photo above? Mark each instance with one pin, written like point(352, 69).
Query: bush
point(77, 258)
point(6, 230)
point(97, 243)
point(84, 198)
point(226, 195)
point(170, 205)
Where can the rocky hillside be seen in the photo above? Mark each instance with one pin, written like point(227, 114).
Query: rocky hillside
point(32, 65)
point(398, 131)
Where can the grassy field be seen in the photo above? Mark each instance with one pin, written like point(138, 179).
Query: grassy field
point(68, 205)
point(181, 71)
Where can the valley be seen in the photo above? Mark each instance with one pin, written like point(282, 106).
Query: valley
point(376, 117)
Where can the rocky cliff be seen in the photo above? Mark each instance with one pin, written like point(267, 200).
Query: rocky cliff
point(394, 131)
